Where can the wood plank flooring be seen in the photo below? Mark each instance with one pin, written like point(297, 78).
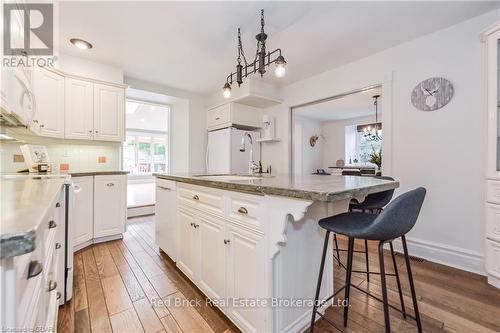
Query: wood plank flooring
point(117, 285)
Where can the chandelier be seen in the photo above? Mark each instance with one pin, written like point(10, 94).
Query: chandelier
point(373, 133)
point(260, 62)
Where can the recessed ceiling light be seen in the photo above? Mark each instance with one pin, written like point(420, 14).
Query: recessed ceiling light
point(80, 43)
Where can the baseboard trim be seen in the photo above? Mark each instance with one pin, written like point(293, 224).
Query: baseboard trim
point(96, 240)
point(140, 211)
point(446, 255)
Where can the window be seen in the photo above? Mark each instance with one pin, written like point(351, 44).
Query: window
point(357, 148)
point(146, 147)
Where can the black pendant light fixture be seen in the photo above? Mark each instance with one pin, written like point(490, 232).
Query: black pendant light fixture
point(373, 133)
point(260, 62)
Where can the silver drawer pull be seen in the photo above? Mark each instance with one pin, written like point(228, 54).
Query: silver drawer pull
point(34, 269)
point(196, 225)
point(52, 224)
point(196, 197)
point(58, 246)
point(52, 285)
point(217, 118)
point(110, 184)
point(58, 205)
point(226, 241)
point(242, 210)
point(58, 295)
point(192, 224)
point(164, 188)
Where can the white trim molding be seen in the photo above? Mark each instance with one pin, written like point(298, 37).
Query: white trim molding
point(447, 255)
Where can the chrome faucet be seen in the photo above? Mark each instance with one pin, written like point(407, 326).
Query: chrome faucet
point(252, 166)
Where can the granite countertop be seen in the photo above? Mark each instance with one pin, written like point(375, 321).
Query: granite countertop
point(309, 187)
point(98, 173)
point(25, 200)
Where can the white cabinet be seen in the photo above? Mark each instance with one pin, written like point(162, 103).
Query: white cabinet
point(491, 40)
point(49, 96)
point(83, 211)
point(79, 109)
point(234, 114)
point(166, 217)
point(109, 112)
point(188, 246)
point(110, 205)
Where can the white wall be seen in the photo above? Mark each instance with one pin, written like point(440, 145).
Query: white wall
point(334, 133)
point(442, 150)
point(189, 143)
point(309, 158)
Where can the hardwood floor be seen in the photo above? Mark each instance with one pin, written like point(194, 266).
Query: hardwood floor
point(116, 283)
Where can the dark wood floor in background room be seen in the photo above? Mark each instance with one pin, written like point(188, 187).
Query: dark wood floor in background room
point(114, 283)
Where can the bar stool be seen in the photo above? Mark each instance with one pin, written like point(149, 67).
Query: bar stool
point(397, 219)
point(373, 203)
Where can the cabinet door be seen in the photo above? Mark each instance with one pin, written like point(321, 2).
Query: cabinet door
point(109, 113)
point(49, 96)
point(219, 117)
point(166, 231)
point(212, 277)
point(110, 205)
point(246, 278)
point(79, 108)
point(83, 216)
point(188, 247)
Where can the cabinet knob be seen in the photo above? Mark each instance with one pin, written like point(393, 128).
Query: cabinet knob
point(217, 118)
point(52, 285)
point(196, 225)
point(35, 121)
point(242, 210)
point(90, 131)
point(52, 224)
point(34, 269)
point(58, 295)
point(58, 246)
point(58, 205)
point(226, 241)
point(97, 131)
point(192, 224)
point(42, 125)
point(110, 184)
point(196, 197)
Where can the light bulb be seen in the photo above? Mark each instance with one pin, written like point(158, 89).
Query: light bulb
point(226, 91)
point(80, 43)
point(280, 67)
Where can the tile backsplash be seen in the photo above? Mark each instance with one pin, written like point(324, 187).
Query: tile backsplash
point(75, 155)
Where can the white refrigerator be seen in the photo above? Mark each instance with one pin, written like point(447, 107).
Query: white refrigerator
point(224, 151)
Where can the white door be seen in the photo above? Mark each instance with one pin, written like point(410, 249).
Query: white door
point(188, 246)
point(219, 151)
point(246, 277)
point(49, 95)
point(109, 113)
point(79, 109)
point(166, 231)
point(212, 277)
point(83, 216)
point(110, 205)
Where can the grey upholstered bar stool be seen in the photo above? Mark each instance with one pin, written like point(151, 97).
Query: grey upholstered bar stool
point(397, 219)
point(374, 203)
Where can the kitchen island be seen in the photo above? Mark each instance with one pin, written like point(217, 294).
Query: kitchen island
point(252, 244)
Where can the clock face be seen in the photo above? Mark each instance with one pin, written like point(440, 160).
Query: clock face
point(432, 94)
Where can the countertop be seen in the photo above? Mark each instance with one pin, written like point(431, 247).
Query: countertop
point(25, 200)
point(309, 187)
point(98, 173)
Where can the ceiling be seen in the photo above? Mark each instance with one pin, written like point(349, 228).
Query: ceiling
point(192, 45)
point(351, 106)
point(147, 117)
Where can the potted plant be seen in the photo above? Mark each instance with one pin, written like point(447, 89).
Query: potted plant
point(376, 157)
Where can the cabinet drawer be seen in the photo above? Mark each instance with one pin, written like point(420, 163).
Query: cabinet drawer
point(246, 209)
point(165, 185)
point(493, 258)
point(493, 222)
point(219, 116)
point(493, 191)
point(198, 197)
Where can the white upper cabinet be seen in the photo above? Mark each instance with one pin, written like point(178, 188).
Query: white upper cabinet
point(49, 96)
point(234, 114)
point(109, 112)
point(110, 205)
point(79, 109)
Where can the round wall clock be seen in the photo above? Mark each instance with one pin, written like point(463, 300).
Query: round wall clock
point(432, 94)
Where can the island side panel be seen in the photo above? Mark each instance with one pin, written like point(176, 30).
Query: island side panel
point(295, 264)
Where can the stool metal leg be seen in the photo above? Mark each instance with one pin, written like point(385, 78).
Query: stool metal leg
point(350, 255)
point(397, 280)
point(412, 286)
point(337, 248)
point(367, 263)
point(384, 287)
point(320, 277)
